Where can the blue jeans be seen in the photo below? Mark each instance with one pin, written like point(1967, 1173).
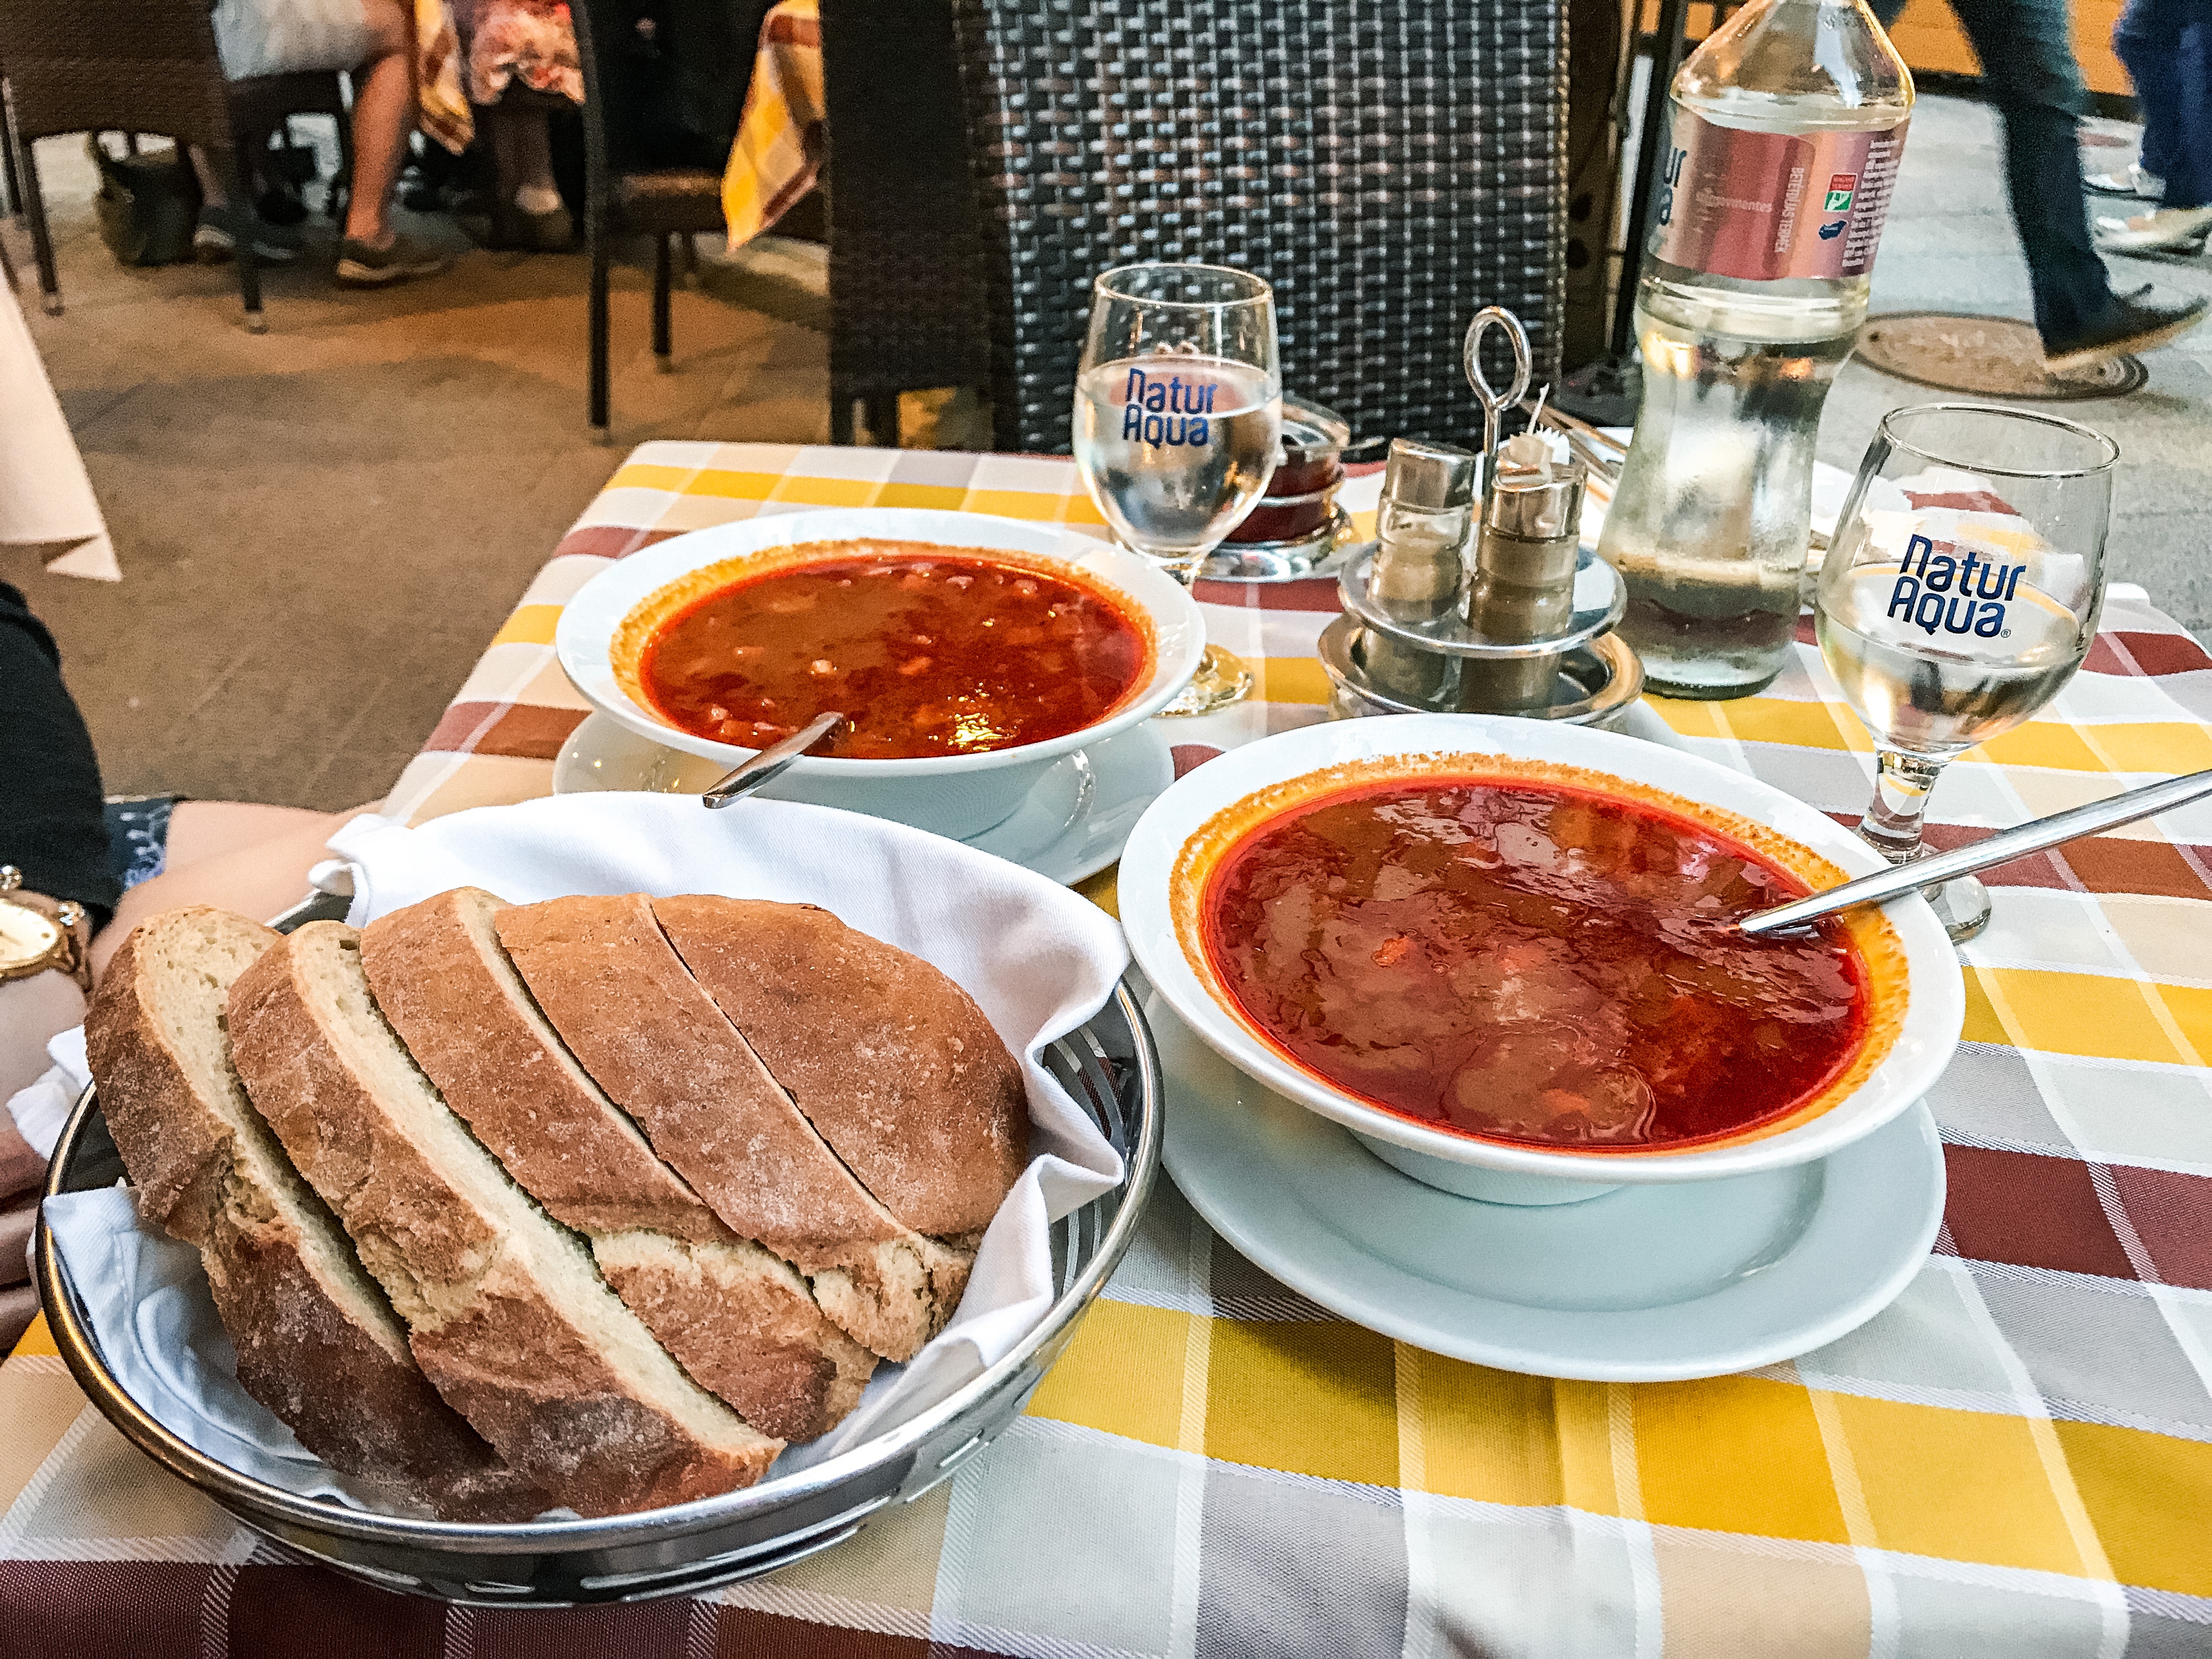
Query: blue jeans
point(2167, 47)
point(2029, 73)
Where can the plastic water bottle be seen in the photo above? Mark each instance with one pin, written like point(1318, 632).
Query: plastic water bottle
point(1786, 130)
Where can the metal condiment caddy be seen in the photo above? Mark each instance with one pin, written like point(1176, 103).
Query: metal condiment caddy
point(1517, 618)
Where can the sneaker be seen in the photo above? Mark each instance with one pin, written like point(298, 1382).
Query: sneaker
point(401, 260)
point(2157, 231)
point(2137, 322)
point(2133, 182)
point(214, 239)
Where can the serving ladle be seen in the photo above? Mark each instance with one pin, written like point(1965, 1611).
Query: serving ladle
point(2031, 837)
point(771, 764)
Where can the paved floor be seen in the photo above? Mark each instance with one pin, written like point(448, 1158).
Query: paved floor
point(321, 526)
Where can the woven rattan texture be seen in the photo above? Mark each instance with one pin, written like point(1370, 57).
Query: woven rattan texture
point(906, 263)
point(123, 65)
point(1389, 168)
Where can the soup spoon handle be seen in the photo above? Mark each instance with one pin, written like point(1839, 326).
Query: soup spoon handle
point(2031, 837)
point(771, 763)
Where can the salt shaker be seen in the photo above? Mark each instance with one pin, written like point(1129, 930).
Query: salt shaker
point(1522, 588)
point(1428, 500)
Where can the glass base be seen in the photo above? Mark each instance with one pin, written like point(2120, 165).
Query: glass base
point(1708, 691)
point(1222, 678)
point(1962, 905)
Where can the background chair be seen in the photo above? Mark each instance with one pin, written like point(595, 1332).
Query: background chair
point(621, 195)
point(144, 66)
point(906, 309)
point(1391, 169)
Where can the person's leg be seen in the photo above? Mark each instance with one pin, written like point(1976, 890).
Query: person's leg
point(383, 116)
point(2161, 40)
point(523, 145)
point(2149, 40)
point(2153, 74)
point(372, 253)
point(2190, 182)
point(2027, 64)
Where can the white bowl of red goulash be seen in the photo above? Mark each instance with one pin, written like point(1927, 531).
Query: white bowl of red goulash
point(1499, 951)
point(969, 652)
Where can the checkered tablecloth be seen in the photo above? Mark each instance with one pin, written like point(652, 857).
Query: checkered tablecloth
point(778, 150)
point(2015, 1459)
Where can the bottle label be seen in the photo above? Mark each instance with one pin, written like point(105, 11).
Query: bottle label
point(1764, 205)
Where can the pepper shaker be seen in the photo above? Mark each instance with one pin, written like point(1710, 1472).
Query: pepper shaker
point(1421, 526)
point(1522, 588)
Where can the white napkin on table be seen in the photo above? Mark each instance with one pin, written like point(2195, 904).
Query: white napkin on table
point(46, 499)
point(1039, 960)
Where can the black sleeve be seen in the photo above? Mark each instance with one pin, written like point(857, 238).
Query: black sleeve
point(52, 824)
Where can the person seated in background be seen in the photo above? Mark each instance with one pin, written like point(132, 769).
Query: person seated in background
point(372, 40)
point(532, 45)
point(93, 868)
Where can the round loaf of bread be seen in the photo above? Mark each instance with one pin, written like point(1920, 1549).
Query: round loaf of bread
point(894, 1064)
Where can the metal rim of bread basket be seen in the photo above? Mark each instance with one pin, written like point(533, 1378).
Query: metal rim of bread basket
point(1110, 1069)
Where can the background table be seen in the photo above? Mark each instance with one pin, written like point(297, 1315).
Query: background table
point(778, 150)
point(2014, 1460)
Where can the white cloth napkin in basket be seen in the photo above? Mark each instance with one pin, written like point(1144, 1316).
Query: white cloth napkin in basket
point(1039, 959)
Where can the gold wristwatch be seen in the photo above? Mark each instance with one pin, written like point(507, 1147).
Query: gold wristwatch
point(37, 934)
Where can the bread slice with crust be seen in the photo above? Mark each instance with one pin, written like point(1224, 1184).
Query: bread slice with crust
point(623, 1002)
point(916, 1093)
point(738, 1318)
point(505, 1311)
point(317, 1343)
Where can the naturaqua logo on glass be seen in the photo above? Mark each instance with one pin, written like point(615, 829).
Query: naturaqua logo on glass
point(1960, 590)
point(1168, 409)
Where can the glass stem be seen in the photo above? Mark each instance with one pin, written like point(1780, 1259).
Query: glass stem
point(1901, 786)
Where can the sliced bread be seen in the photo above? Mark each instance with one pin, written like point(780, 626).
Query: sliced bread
point(623, 1001)
point(738, 1318)
point(506, 1313)
point(317, 1343)
point(917, 1095)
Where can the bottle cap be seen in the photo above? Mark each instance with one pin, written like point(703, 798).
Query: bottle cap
point(1535, 498)
point(1438, 477)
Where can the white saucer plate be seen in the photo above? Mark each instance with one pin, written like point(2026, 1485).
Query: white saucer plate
point(1073, 823)
point(1646, 1283)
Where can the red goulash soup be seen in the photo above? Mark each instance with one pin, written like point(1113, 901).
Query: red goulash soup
point(942, 654)
point(1530, 962)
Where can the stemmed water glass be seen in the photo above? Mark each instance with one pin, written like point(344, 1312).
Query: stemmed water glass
point(1959, 593)
point(1178, 414)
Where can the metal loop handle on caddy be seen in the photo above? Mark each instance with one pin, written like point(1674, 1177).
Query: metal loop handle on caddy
point(1494, 402)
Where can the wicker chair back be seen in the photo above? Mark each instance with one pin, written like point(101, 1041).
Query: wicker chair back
point(1389, 168)
point(623, 194)
point(906, 265)
point(114, 66)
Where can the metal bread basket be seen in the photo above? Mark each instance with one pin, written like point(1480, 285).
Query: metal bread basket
point(1112, 1071)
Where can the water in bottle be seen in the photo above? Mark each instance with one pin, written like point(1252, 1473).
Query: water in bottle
point(1787, 125)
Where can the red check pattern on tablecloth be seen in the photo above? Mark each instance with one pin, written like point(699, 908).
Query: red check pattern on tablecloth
point(2015, 1459)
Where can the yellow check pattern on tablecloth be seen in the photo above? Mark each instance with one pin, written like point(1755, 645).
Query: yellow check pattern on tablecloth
point(2015, 1459)
point(778, 150)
